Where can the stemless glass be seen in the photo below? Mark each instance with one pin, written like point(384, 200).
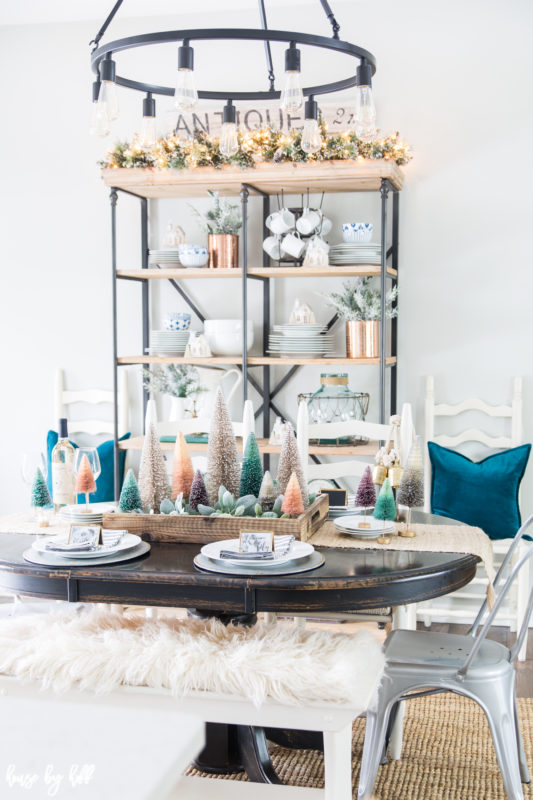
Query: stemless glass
point(94, 462)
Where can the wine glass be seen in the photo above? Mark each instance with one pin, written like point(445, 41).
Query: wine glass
point(94, 462)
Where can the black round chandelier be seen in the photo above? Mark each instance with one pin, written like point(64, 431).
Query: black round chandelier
point(293, 95)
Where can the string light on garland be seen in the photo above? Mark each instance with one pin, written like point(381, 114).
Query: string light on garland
point(266, 145)
point(185, 95)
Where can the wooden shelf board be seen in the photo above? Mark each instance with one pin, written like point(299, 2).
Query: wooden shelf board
point(370, 449)
point(317, 176)
point(361, 270)
point(255, 361)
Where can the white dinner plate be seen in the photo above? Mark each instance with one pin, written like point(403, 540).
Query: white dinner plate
point(297, 551)
point(352, 523)
point(128, 541)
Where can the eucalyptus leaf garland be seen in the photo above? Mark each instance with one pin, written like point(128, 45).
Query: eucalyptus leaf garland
point(264, 145)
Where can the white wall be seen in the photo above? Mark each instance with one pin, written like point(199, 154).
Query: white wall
point(451, 77)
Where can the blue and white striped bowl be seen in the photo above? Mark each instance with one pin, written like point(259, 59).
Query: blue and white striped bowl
point(357, 231)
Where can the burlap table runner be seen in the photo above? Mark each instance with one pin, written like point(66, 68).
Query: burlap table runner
point(24, 523)
point(431, 538)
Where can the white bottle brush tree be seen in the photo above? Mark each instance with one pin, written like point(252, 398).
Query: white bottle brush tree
point(411, 488)
point(153, 479)
point(222, 457)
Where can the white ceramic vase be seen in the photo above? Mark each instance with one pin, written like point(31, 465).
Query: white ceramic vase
point(178, 406)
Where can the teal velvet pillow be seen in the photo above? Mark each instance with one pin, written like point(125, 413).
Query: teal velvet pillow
point(481, 493)
point(105, 491)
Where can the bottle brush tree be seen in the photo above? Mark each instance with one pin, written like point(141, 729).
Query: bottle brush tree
point(130, 499)
point(153, 479)
point(182, 468)
point(85, 482)
point(222, 456)
point(411, 488)
point(267, 492)
point(198, 495)
point(385, 509)
point(292, 499)
point(289, 462)
point(40, 496)
point(251, 469)
point(366, 495)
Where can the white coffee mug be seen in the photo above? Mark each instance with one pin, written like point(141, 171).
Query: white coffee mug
point(272, 246)
point(280, 221)
point(309, 221)
point(325, 226)
point(292, 245)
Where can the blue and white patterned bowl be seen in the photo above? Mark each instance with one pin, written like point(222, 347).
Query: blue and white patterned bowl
point(177, 321)
point(193, 255)
point(357, 231)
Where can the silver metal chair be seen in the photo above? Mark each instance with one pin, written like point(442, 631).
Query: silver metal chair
point(469, 665)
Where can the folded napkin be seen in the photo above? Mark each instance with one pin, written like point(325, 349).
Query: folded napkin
point(110, 540)
point(282, 544)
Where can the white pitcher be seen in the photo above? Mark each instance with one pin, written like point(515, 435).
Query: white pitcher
point(212, 378)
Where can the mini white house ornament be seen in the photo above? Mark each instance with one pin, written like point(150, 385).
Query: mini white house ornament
point(197, 346)
point(301, 314)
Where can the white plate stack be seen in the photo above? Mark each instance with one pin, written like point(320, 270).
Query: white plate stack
point(78, 515)
point(308, 340)
point(168, 343)
point(346, 254)
point(168, 258)
point(112, 545)
point(297, 557)
point(373, 527)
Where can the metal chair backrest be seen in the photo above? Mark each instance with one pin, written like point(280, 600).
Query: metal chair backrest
point(481, 628)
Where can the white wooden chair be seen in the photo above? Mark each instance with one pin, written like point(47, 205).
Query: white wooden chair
point(93, 427)
point(462, 606)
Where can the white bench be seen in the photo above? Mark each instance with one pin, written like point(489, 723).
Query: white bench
point(129, 715)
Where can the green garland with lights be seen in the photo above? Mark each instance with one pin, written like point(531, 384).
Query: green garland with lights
point(266, 145)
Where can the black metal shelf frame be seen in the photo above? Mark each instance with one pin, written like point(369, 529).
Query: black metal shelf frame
point(389, 256)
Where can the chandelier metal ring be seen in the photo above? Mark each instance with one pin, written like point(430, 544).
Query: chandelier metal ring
point(248, 34)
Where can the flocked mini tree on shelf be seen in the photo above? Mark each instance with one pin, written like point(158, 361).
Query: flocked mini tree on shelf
point(222, 456)
point(182, 468)
point(385, 509)
point(85, 482)
point(130, 499)
point(153, 479)
point(267, 492)
point(289, 462)
point(292, 499)
point(251, 469)
point(411, 489)
point(198, 495)
point(40, 497)
point(365, 497)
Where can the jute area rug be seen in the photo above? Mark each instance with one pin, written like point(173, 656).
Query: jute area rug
point(448, 755)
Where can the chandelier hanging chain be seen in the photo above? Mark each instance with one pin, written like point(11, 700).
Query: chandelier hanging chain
point(331, 16)
point(268, 51)
point(105, 26)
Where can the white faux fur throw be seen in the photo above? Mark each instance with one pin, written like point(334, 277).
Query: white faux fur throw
point(98, 651)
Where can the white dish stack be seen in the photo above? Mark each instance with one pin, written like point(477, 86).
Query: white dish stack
point(168, 343)
point(77, 515)
point(168, 258)
point(347, 254)
point(310, 340)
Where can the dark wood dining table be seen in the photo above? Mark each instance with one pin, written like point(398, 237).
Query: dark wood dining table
point(349, 580)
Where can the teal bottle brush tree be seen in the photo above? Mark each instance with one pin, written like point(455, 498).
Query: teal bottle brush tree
point(40, 497)
point(385, 509)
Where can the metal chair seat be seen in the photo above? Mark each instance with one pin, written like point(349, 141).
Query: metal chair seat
point(445, 652)
point(422, 662)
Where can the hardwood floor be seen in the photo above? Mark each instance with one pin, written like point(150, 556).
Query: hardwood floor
point(524, 682)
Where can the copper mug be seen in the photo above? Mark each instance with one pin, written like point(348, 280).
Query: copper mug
point(223, 250)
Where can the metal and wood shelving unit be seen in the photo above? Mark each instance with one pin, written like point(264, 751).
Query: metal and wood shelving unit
point(265, 180)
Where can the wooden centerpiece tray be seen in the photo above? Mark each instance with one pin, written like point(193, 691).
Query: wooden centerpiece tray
point(192, 528)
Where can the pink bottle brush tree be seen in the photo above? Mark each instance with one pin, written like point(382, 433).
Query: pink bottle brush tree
point(366, 495)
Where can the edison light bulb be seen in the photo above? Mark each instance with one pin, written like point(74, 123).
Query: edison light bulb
point(148, 136)
point(364, 113)
point(292, 97)
point(185, 96)
point(108, 89)
point(229, 144)
point(99, 118)
point(311, 139)
point(108, 97)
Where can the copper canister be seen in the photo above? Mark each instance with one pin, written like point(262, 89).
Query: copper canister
point(362, 339)
point(223, 250)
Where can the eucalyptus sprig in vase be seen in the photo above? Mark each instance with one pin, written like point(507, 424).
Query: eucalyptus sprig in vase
point(222, 224)
point(359, 305)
